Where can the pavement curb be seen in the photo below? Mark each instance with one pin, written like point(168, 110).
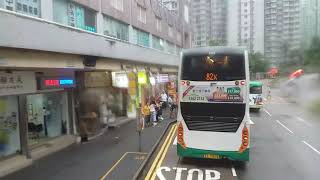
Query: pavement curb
point(154, 147)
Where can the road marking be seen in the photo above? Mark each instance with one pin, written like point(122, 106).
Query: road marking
point(164, 153)
point(175, 141)
point(304, 121)
point(267, 112)
point(152, 169)
point(234, 173)
point(282, 100)
point(250, 121)
point(116, 164)
point(311, 147)
point(284, 126)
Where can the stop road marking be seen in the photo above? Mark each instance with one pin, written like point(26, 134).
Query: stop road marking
point(208, 174)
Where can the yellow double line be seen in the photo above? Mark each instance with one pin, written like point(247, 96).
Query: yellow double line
point(162, 153)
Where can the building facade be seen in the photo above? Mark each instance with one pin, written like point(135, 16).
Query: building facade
point(209, 21)
point(310, 17)
point(56, 52)
point(282, 29)
point(246, 24)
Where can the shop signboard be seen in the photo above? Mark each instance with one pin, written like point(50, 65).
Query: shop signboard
point(142, 77)
point(120, 80)
point(162, 78)
point(97, 79)
point(152, 80)
point(17, 82)
point(132, 83)
point(57, 82)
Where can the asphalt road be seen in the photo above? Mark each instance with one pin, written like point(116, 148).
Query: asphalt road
point(285, 144)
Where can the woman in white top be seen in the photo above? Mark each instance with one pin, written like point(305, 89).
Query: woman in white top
point(153, 113)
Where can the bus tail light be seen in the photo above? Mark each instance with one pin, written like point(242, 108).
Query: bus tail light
point(242, 83)
point(180, 136)
point(245, 139)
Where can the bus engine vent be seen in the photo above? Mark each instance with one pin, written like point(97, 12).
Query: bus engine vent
point(215, 117)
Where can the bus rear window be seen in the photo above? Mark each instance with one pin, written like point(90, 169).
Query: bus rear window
point(213, 68)
point(255, 90)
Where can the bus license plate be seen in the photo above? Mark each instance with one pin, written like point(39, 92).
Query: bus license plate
point(212, 156)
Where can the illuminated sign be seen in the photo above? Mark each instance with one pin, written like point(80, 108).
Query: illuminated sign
point(162, 78)
point(211, 77)
point(49, 83)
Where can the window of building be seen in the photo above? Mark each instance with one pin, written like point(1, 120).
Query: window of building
point(186, 13)
point(117, 4)
point(9, 123)
point(140, 37)
point(90, 20)
point(170, 48)
point(142, 16)
point(170, 31)
point(158, 24)
point(157, 43)
point(26, 7)
point(72, 14)
point(114, 28)
point(179, 38)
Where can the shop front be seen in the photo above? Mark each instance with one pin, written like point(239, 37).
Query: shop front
point(44, 101)
point(101, 101)
point(48, 110)
point(13, 84)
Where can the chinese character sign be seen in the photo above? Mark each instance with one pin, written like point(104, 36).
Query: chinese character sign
point(17, 82)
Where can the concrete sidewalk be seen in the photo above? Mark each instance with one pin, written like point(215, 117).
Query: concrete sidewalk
point(93, 159)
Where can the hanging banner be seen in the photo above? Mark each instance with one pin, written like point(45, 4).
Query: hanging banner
point(17, 82)
point(142, 77)
point(132, 83)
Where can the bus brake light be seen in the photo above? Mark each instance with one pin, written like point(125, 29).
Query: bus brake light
point(180, 136)
point(245, 139)
point(242, 83)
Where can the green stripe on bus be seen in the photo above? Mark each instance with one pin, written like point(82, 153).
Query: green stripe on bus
point(255, 84)
point(199, 153)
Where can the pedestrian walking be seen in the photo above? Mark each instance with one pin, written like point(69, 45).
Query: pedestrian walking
point(159, 109)
point(153, 112)
point(164, 99)
point(146, 113)
point(172, 104)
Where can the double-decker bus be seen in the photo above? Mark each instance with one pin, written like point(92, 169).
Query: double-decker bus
point(213, 117)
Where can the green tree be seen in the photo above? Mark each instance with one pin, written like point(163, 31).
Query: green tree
point(257, 63)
